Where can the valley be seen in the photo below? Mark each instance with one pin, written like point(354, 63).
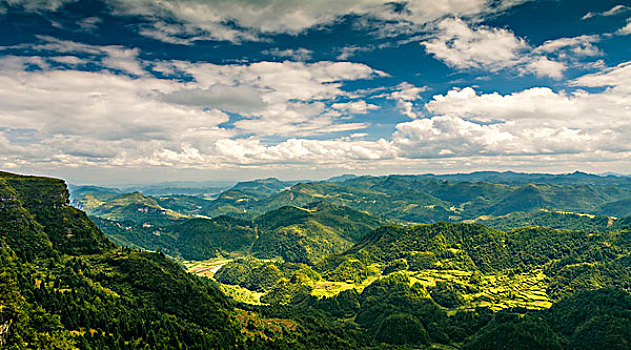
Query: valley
point(326, 274)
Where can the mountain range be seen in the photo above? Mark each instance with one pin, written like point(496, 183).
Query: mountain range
point(365, 281)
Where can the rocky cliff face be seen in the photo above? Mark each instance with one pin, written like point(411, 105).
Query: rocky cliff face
point(60, 276)
point(34, 191)
point(35, 216)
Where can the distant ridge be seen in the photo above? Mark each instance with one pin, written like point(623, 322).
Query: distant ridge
point(342, 178)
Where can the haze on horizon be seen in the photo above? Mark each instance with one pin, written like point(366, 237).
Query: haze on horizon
point(120, 92)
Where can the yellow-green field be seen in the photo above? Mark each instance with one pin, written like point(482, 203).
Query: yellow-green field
point(499, 291)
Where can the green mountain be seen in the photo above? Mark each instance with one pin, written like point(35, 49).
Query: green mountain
point(63, 285)
point(244, 198)
point(413, 198)
point(294, 234)
point(199, 191)
point(525, 198)
point(426, 199)
point(185, 204)
point(262, 187)
point(200, 239)
point(460, 285)
point(102, 194)
point(135, 207)
point(548, 218)
point(308, 234)
point(341, 178)
point(620, 208)
point(511, 177)
point(190, 239)
point(564, 260)
point(421, 199)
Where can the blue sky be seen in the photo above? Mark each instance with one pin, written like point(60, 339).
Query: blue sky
point(120, 91)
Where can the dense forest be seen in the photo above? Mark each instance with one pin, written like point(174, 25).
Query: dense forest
point(382, 283)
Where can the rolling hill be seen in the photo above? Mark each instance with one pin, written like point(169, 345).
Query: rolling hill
point(63, 285)
point(291, 233)
point(307, 235)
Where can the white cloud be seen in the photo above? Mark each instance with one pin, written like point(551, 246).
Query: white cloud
point(626, 30)
point(97, 117)
point(36, 5)
point(618, 9)
point(234, 99)
point(114, 57)
point(105, 118)
point(541, 105)
point(579, 46)
point(406, 94)
point(247, 151)
point(445, 136)
point(461, 46)
point(300, 54)
point(185, 21)
point(187, 33)
point(89, 24)
point(276, 98)
point(347, 52)
point(532, 121)
point(354, 107)
point(618, 78)
point(544, 67)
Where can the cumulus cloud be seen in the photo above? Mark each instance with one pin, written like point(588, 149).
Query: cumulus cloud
point(276, 98)
point(544, 67)
point(445, 136)
point(183, 22)
point(113, 57)
point(463, 46)
point(300, 54)
point(626, 30)
point(541, 105)
point(75, 117)
point(533, 121)
point(406, 95)
point(354, 107)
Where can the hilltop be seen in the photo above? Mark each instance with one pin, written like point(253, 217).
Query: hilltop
point(295, 234)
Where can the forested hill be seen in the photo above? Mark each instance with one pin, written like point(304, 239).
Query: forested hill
point(304, 235)
point(64, 285)
point(413, 198)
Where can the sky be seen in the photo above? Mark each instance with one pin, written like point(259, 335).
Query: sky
point(140, 91)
